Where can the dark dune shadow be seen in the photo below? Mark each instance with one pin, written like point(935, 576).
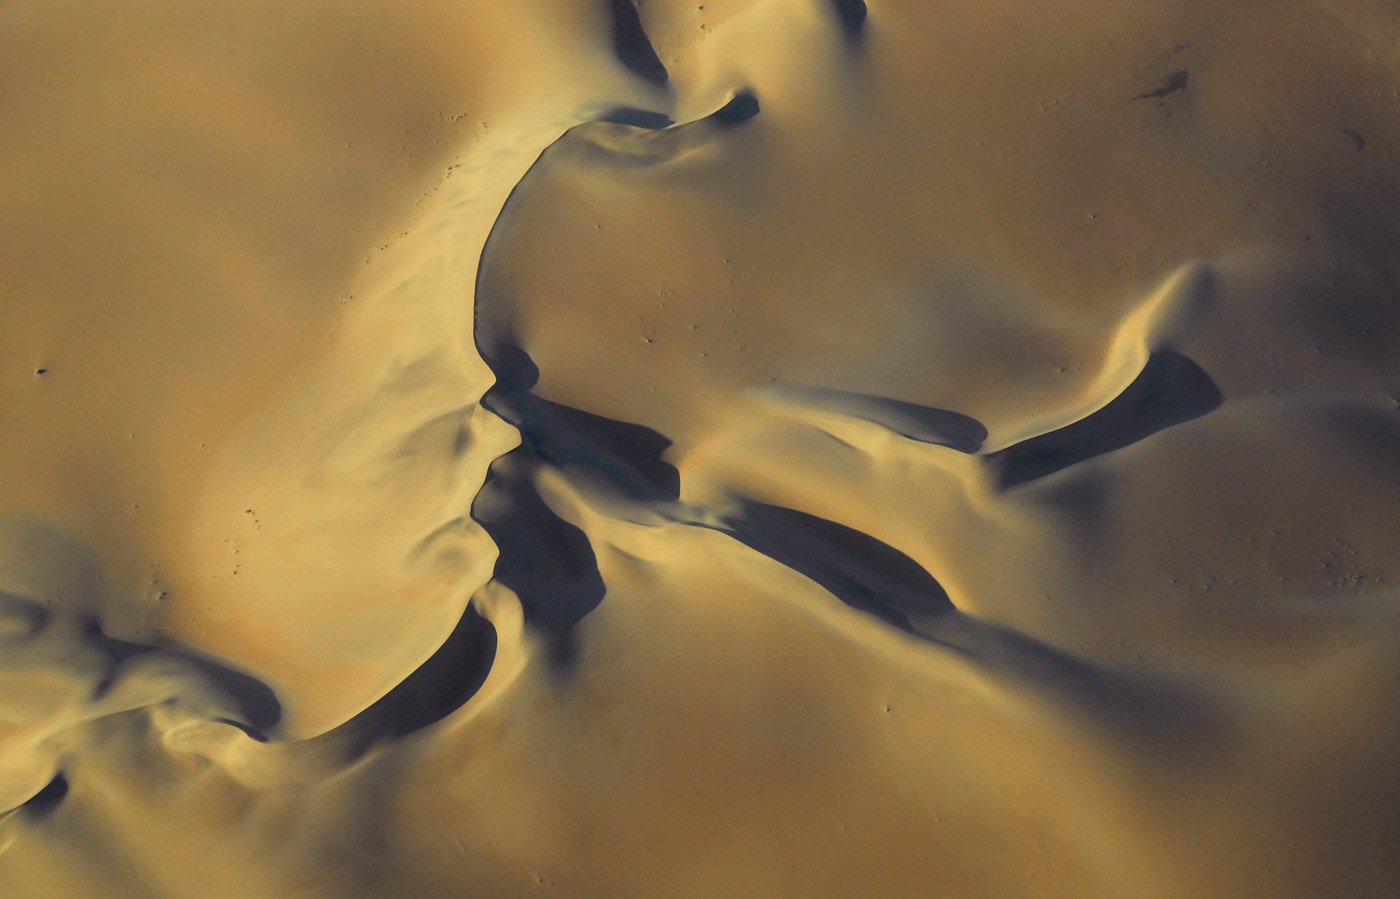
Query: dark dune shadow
point(622, 456)
point(1158, 715)
point(625, 137)
point(547, 562)
point(248, 730)
point(515, 371)
point(551, 566)
point(637, 118)
point(43, 803)
point(1169, 85)
point(632, 45)
point(926, 424)
point(30, 615)
point(740, 108)
point(878, 579)
point(856, 568)
point(444, 683)
point(255, 701)
point(1171, 389)
point(852, 15)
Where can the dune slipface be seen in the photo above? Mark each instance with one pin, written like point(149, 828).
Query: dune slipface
point(752, 448)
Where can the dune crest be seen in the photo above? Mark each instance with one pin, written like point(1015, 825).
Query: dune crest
point(750, 448)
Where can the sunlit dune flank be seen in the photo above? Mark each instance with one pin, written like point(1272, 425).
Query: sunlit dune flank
point(750, 448)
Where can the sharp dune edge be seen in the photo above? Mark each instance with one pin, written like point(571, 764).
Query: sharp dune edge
point(750, 448)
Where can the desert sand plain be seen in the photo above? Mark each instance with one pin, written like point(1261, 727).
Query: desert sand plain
point(915, 448)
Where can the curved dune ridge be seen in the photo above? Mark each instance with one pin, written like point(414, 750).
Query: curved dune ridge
point(750, 448)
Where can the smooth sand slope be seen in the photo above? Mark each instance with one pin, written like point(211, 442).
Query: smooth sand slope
point(751, 448)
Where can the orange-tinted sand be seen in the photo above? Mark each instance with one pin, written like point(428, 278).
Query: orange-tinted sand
point(812, 448)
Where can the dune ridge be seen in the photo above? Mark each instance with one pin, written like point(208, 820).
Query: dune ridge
point(760, 447)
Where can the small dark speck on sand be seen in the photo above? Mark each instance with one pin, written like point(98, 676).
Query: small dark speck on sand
point(41, 371)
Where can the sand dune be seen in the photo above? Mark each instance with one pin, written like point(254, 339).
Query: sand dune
point(750, 448)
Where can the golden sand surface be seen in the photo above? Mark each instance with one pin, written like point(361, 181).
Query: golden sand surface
point(750, 448)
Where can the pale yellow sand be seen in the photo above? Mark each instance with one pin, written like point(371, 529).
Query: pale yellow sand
point(959, 457)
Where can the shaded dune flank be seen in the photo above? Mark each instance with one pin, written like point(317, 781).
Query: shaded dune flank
point(872, 449)
point(1171, 389)
point(632, 45)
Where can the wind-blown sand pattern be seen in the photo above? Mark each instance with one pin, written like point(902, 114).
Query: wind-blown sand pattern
point(752, 448)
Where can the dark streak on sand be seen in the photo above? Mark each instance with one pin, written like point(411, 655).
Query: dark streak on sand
point(632, 45)
point(874, 577)
point(546, 561)
point(444, 683)
point(254, 700)
point(852, 14)
point(618, 456)
point(856, 568)
point(926, 424)
point(636, 118)
point(1169, 85)
point(1171, 389)
point(1356, 138)
point(43, 803)
point(742, 107)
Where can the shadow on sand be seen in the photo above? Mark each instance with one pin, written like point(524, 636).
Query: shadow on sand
point(878, 579)
point(547, 562)
point(1170, 390)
